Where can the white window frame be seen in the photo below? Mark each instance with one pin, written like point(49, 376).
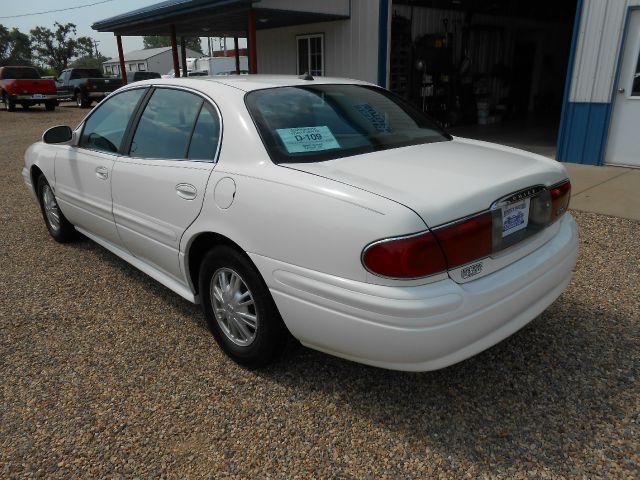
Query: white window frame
point(142, 67)
point(308, 38)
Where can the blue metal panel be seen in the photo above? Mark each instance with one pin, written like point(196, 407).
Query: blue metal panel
point(567, 84)
point(383, 19)
point(585, 133)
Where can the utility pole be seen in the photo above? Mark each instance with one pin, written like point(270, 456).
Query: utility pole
point(95, 45)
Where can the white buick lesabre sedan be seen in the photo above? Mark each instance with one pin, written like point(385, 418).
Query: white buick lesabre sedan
point(324, 209)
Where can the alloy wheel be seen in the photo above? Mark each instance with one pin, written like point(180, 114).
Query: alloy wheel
point(234, 307)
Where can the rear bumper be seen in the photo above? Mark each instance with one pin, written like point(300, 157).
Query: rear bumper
point(425, 327)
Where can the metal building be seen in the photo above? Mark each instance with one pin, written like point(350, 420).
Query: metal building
point(559, 77)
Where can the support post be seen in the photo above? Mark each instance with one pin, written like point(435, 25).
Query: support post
point(235, 46)
point(183, 54)
point(251, 41)
point(174, 51)
point(123, 73)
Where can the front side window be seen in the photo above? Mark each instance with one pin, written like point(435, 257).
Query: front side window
point(311, 54)
point(105, 128)
point(166, 125)
point(323, 122)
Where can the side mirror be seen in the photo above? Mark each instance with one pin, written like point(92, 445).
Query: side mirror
point(58, 134)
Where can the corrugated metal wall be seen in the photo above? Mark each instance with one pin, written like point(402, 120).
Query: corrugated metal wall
point(332, 7)
point(599, 39)
point(587, 113)
point(350, 49)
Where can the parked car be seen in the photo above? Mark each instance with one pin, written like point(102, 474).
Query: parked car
point(23, 85)
point(85, 85)
point(137, 76)
point(328, 210)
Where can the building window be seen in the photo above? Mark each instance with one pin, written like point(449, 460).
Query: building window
point(311, 54)
point(132, 67)
point(107, 69)
point(142, 67)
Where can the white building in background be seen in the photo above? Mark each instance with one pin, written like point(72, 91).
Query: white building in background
point(147, 60)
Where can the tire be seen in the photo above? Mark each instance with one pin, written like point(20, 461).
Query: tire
point(59, 227)
point(82, 102)
point(9, 105)
point(262, 336)
point(50, 106)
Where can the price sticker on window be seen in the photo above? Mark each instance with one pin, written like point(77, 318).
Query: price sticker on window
point(307, 139)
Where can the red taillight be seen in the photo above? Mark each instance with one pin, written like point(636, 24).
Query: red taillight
point(467, 240)
point(405, 257)
point(560, 195)
point(87, 84)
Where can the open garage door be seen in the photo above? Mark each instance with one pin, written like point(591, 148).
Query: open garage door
point(489, 70)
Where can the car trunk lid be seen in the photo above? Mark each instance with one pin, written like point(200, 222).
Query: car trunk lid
point(447, 181)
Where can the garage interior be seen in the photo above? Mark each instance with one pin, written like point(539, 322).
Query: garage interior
point(490, 70)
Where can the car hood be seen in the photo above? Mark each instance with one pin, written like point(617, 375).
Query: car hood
point(442, 181)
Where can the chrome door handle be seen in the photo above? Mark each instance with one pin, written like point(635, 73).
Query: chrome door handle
point(621, 90)
point(186, 191)
point(102, 173)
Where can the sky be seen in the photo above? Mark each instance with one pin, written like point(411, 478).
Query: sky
point(82, 17)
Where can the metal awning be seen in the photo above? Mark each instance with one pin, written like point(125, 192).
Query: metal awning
point(202, 18)
point(214, 18)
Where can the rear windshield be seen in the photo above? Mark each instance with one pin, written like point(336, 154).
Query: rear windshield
point(86, 73)
point(323, 122)
point(15, 73)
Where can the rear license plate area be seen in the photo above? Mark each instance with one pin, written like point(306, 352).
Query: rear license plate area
point(519, 216)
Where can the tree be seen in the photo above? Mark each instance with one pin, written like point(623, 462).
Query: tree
point(15, 47)
point(89, 61)
point(57, 48)
point(157, 41)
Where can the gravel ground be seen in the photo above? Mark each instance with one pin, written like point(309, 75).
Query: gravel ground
point(108, 374)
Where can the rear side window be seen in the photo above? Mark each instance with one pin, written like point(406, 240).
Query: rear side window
point(85, 73)
point(206, 135)
point(12, 73)
point(323, 122)
point(105, 128)
point(166, 125)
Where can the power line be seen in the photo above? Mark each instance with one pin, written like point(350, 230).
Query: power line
point(58, 10)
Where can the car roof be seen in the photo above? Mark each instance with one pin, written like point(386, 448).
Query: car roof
point(249, 83)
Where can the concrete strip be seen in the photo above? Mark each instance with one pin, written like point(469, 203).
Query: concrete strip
point(584, 177)
point(618, 196)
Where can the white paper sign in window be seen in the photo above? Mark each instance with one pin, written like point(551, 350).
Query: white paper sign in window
point(307, 139)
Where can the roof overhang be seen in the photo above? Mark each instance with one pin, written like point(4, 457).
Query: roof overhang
point(202, 18)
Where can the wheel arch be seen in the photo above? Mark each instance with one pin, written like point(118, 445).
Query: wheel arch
point(198, 247)
point(35, 173)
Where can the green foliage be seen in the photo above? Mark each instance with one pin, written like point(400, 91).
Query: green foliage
point(57, 48)
point(15, 47)
point(88, 61)
point(157, 41)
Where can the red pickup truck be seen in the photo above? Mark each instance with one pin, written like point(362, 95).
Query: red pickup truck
point(23, 85)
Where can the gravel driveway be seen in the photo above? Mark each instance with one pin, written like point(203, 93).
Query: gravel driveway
point(106, 373)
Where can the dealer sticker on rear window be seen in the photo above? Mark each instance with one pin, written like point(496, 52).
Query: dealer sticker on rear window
point(307, 139)
point(515, 216)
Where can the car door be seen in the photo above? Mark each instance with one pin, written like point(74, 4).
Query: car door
point(62, 84)
point(158, 189)
point(83, 172)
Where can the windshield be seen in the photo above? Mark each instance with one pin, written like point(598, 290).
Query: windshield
point(323, 122)
point(20, 73)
